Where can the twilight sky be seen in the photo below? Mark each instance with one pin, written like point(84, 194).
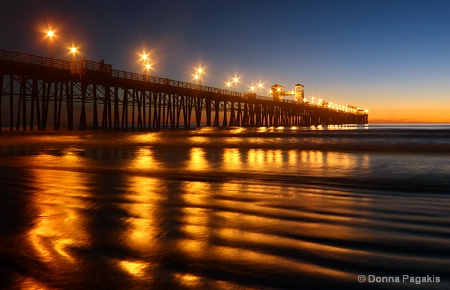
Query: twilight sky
point(391, 57)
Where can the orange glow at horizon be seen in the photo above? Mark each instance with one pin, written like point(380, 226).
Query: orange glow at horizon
point(422, 114)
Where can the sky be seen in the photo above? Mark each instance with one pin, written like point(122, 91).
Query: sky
point(391, 57)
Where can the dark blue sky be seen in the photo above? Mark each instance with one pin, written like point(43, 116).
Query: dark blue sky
point(392, 57)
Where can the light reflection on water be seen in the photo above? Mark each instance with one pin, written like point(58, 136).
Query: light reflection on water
point(157, 210)
point(142, 199)
point(133, 267)
point(59, 221)
point(197, 160)
point(145, 159)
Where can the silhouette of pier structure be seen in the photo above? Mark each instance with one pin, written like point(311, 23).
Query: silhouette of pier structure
point(37, 91)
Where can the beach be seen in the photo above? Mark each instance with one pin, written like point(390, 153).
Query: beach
point(235, 208)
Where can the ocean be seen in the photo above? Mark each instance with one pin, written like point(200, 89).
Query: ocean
point(359, 207)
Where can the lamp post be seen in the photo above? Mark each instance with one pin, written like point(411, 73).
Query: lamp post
point(198, 75)
point(147, 66)
point(73, 65)
point(73, 50)
point(228, 83)
point(236, 80)
point(260, 86)
point(50, 35)
point(196, 78)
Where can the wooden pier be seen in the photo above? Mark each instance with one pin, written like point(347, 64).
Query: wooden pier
point(39, 91)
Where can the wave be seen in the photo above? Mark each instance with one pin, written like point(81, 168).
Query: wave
point(382, 140)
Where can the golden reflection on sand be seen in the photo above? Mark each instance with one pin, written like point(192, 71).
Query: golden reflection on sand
point(197, 160)
point(30, 284)
point(134, 268)
point(198, 140)
point(256, 158)
point(333, 164)
point(143, 195)
point(231, 159)
point(240, 223)
point(187, 280)
point(293, 161)
point(144, 159)
point(146, 138)
point(243, 256)
point(59, 199)
point(274, 157)
point(194, 215)
point(196, 219)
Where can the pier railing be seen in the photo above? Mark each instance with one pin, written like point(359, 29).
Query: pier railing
point(33, 59)
point(83, 66)
point(173, 83)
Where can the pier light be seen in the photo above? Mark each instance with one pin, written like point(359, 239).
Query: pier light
point(148, 67)
point(198, 74)
point(73, 51)
point(252, 88)
point(228, 83)
point(146, 62)
point(196, 78)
